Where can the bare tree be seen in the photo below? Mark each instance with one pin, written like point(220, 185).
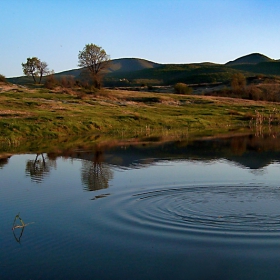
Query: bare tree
point(95, 60)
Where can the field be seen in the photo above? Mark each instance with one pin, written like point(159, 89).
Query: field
point(39, 113)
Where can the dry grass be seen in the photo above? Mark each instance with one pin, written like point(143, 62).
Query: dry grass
point(58, 113)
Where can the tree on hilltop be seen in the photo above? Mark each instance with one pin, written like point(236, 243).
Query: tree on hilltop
point(34, 67)
point(95, 60)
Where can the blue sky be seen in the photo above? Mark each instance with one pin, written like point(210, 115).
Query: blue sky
point(163, 31)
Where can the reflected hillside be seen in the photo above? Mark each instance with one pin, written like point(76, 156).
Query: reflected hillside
point(250, 151)
point(4, 160)
point(247, 150)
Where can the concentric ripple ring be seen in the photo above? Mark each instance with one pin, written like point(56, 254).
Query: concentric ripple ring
point(238, 211)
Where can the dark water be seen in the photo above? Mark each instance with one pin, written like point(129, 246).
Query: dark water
point(207, 209)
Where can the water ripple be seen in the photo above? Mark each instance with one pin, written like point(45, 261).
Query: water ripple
point(227, 208)
point(212, 211)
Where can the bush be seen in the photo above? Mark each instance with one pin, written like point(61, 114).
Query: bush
point(238, 82)
point(3, 79)
point(254, 93)
point(67, 81)
point(181, 88)
point(50, 82)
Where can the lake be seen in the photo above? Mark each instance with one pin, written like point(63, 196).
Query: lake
point(191, 209)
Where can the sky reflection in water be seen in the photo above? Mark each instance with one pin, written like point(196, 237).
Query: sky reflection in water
point(201, 210)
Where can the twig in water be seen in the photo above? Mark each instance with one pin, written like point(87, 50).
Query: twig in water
point(22, 223)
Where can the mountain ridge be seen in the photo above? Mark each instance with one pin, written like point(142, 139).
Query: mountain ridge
point(138, 71)
point(253, 58)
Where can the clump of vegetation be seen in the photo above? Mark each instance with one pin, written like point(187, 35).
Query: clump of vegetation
point(256, 88)
point(3, 79)
point(238, 82)
point(181, 88)
point(67, 81)
point(50, 82)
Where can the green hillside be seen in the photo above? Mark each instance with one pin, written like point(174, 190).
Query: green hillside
point(116, 66)
point(265, 68)
point(172, 73)
point(131, 64)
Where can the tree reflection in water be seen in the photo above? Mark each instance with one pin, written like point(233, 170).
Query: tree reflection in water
point(4, 161)
point(95, 174)
point(40, 167)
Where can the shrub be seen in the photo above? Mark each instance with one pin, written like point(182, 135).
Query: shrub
point(67, 81)
point(50, 82)
point(85, 85)
point(181, 88)
point(238, 82)
point(254, 93)
point(3, 79)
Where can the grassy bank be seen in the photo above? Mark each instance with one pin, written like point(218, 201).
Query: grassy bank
point(41, 114)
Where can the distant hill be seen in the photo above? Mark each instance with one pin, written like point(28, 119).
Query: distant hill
point(253, 58)
point(168, 74)
point(256, 63)
point(131, 64)
point(264, 68)
point(136, 71)
point(120, 65)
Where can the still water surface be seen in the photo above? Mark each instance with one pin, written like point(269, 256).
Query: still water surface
point(201, 210)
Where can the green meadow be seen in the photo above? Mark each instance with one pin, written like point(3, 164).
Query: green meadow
point(41, 114)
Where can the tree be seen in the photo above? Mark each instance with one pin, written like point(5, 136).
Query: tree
point(42, 69)
point(95, 60)
point(34, 67)
point(30, 67)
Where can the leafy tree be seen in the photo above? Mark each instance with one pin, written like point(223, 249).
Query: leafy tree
point(34, 67)
point(95, 60)
point(42, 69)
point(30, 67)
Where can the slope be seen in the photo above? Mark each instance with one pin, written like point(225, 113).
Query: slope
point(253, 58)
point(172, 73)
